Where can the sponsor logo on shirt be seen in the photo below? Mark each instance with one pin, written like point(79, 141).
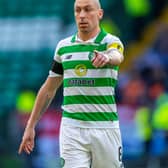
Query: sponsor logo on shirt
point(81, 70)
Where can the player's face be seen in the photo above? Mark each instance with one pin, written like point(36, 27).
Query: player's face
point(87, 15)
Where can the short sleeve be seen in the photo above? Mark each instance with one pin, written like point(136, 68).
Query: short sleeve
point(116, 44)
point(56, 67)
point(57, 57)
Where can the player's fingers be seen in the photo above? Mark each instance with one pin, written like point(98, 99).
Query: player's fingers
point(26, 149)
point(104, 60)
point(96, 61)
point(95, 53)
point(102, 64)
point(32, 142)
point(99, 61)
point(30, 147)
point(21, 147)
point(96, 64)
point(20, 150)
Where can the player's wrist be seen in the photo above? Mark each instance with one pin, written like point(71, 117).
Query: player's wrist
point(30, 125)
point(115, 58)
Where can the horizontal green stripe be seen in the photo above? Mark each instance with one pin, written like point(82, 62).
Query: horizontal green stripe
point(97, 116)
point(88, 64)
point(115, 67)
point(84, 99)
point(81, 48)
point(92, 82)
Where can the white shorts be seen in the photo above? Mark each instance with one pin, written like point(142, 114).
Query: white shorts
point(90, 147)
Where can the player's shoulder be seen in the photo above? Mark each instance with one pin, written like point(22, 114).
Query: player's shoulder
point(65, 42)
point(110, 38)
point(114, 41)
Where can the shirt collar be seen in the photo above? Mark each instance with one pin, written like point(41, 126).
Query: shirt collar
point(97, 39)
point(79, 40)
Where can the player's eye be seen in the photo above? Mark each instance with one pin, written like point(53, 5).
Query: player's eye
point(88, 9)
point(77, 10)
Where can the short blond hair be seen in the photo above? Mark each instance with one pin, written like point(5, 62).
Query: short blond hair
point(97, 2)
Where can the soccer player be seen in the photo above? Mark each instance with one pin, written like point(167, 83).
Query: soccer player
point(87, 63)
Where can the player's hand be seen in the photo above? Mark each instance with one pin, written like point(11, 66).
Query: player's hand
point(99, 59)
point(27, 143)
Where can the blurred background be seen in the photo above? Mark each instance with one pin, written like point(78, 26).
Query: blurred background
point(29, 32)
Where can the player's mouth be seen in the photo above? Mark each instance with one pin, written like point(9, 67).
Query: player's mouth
point(83, 24)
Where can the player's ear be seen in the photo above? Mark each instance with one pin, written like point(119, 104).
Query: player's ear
point(101, 12)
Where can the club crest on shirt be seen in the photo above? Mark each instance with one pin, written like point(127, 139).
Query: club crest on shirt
point(81, 70)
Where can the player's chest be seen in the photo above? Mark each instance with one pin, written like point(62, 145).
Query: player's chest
point(76, 64)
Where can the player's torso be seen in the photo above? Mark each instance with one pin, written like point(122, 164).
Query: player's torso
point(88, 91)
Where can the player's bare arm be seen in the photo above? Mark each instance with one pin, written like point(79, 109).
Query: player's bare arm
point(43, 100)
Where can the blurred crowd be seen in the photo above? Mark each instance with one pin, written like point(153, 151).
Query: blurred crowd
point(143, 103)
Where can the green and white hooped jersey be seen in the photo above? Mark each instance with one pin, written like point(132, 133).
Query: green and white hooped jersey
point(89, 92)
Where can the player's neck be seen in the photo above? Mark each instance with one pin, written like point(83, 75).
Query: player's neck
point(88, 35)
